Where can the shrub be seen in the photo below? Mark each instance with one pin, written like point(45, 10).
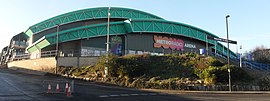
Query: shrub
point(169, 71)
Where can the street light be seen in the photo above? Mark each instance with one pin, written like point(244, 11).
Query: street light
point(240, 56)
point(206, 45)
point(57, 49)
point(107, 44)
point(228, 54)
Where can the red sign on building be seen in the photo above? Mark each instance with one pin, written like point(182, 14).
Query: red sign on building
point(166, 43)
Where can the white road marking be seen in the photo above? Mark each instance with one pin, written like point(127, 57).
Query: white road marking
point(143, 94)
point(152, 94)
point(124, 94)
point(134, 94)
point(162, 94)
point(104, 96)
point(114, 95)
point(103, 86)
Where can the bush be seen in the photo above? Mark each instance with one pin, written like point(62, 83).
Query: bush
point(265, 83)
point(169, 71)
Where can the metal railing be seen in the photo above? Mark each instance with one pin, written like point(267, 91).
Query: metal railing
point(19, 44)
point(52, 53)
point(257, 66)
point(34, 55)
point(21, 57)
point(48, 53)
point(72, 53)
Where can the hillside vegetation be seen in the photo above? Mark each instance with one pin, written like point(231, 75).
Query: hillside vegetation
point(170, 71)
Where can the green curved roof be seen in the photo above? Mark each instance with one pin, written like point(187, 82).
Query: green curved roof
point(166, 22)
point(92, 13)
point(142, 22)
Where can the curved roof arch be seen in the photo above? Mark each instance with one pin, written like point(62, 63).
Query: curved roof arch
point(140, 22)
point(123, 27)
point(166, 26)
point(92, 13)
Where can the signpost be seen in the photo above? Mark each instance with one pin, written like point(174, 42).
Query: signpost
point(228, 54)
point(221, 40)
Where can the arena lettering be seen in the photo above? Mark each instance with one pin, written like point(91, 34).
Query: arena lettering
point(166, 43)
point(190, 45)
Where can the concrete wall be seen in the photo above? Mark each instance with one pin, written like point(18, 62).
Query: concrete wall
point(48, 64)
point(41, 64)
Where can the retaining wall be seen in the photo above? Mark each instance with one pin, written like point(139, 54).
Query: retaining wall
point(48, 64)
point(41, 64)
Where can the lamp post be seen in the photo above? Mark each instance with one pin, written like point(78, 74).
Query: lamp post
point(228, 53)
point(240, 56)
point(57, 45)
point(206, 45)
point(107, 44)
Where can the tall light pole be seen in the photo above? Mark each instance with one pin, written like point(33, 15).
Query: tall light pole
point(107, 44)
point(206, 40)
point(240, 56)
point(57, 49)
point(228, 53)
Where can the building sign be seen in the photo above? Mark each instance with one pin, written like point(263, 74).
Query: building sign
point(116, 45)
point(187, 45)
point(166, 43)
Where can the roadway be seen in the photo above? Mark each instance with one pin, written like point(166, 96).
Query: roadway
point(17, 86)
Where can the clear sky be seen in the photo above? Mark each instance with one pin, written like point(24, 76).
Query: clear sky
point(249, 23)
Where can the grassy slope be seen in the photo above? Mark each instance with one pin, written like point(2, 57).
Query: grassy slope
point(145, 71)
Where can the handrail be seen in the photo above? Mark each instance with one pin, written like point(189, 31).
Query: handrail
point(257, 66)
point(53, 53)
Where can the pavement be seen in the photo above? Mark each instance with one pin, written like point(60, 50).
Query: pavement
point(17, 86)
point(207, 92)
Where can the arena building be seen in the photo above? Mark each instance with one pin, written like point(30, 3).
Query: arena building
point(83, 33)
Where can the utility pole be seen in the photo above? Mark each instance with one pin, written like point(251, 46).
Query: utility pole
point(228, 50)
point(228, 54)
point(206, 40)
point(240, 56)
point(57, 48)
point(107, 44)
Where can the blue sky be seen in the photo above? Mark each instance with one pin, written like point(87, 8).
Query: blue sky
point(249, 23)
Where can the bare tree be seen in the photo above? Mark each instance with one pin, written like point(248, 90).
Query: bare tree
point(261, 54)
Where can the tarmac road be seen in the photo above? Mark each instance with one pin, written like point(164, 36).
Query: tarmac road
point(17, 86)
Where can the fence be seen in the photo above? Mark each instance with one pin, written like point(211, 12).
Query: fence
point(34, 55)
point(257, 66)
point(53, 53)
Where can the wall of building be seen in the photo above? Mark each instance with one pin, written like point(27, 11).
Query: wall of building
point(144, 42)
point(97, 42)
point(134, 42)
point(35, 55)
point(70, 47)
point(77, 61)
